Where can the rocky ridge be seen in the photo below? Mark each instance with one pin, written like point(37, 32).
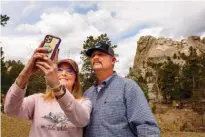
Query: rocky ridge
point(158, 49)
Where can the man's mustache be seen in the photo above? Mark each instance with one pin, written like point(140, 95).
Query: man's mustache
point(97, 62)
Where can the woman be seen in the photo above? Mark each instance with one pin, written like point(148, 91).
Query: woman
point(61, 111)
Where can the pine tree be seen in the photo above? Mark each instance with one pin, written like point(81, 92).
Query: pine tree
point(170, 80)
point(4, 75)
point(4, 19)
point(37, 83)
point(14, 70)
point(190, 73)
point(156, 74)
point(138, 78)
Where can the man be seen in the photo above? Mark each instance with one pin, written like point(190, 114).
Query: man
point(120, 108)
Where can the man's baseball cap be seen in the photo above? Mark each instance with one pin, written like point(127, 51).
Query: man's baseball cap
point(100, 46)
point(71, 62)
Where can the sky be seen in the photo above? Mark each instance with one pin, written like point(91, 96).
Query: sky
point(123, 21)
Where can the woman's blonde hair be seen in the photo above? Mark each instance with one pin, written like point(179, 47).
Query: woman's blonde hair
point(76, 89)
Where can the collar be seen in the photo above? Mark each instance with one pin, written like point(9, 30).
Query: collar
point(107, 80)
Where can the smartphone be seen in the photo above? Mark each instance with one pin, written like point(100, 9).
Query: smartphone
point(51, 43)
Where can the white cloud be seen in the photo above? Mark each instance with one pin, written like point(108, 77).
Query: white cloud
point(83, 4)
point(124, 22)
point(19, 48)
point(127, 50)
point(72, 28)
point(32, 5)
point(103, 21)
point(57, 10)
point(27, 28)
point(174, 17)
point(57, 23)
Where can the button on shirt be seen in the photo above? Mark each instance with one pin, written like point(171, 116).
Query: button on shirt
point(103, 84)
point(120, 109)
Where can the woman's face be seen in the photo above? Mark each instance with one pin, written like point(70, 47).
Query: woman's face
point(66, 75)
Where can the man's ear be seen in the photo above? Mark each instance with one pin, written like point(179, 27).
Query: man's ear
point(113, 60)
point(56, 56)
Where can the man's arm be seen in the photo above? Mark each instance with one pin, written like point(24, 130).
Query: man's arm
point(140, 117)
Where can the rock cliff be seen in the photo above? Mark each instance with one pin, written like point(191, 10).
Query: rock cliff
point(156, 50)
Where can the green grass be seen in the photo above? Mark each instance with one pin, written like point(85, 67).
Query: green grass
point(12, 127)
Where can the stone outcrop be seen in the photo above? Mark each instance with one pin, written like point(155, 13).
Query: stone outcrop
point(158, 49)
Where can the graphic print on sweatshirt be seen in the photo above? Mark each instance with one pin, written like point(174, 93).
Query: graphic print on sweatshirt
point(59, 122)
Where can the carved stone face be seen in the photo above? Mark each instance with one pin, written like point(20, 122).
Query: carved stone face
point(142, 43)
point(184, 43)
point(169, 42)
point(203, 40)
point(176, 44)
point(161, 41)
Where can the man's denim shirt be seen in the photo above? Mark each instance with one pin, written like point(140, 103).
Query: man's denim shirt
point(120, 109)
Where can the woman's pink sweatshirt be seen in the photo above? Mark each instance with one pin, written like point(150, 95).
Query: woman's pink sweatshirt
point(65, 117)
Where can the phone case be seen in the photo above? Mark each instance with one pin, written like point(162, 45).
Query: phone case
point(51, 43)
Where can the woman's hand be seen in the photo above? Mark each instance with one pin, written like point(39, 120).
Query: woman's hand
point(38, 55)
point(50, 69)
point(30, 67)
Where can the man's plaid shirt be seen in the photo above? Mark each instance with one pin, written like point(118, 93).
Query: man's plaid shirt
point(120, 109)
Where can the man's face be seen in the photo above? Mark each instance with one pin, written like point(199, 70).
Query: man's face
point(102, 61)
